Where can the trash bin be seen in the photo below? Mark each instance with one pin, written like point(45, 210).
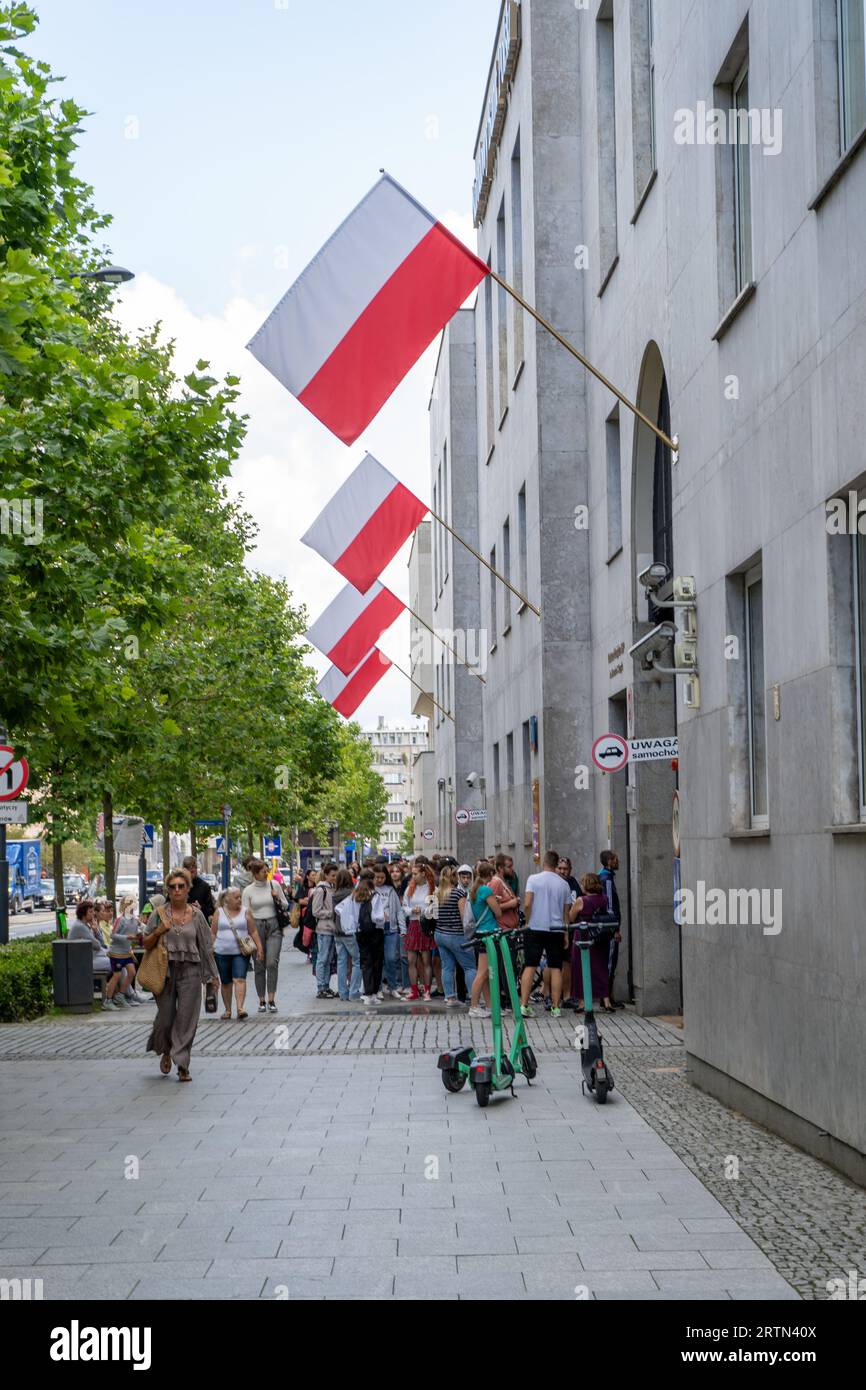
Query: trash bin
point(73, 975)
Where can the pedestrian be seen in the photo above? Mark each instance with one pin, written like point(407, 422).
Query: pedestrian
point(261, 897)
point(306, 922)
point(452, 891)
point(509, 875)
point(200, 891)
point(322, 910)
point(230, 924)
point(546, 904)
point(419, 937)
point(368, 913)
point(243, 876)
point(84, 929)
point(593, 899)
point(480, 909)
point(153, 904)
point(120, 985)
point(191, 964)
point(394, 926)
point(509, 917)
point(609, 866)
point(345, 937)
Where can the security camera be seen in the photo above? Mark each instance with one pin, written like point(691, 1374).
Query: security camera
point(472, 779)
point(654, 576)
point(650, 647)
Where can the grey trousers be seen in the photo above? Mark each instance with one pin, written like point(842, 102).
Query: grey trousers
point(177, 1013)
point(272, 943)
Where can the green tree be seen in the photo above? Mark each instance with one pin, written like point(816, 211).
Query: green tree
point(407, 837)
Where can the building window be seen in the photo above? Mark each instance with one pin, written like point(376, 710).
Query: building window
point(605, 84)
point(496, 782)
point(527, 784)
point(488, 357)
point(614, 485)
point(445, 501)
point(502, 313)
point(493, 627)
point(517, 254)
point(852, 68)
point(742, 151)
point(521, 538)
point(643, 96)
point(506, 570)
point(756, 697)
point(859, 567)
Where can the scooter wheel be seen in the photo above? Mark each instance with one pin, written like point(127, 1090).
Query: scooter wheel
point(528, 1062)
point(482, 1092)
point(453, 1080)
point(601, 1090)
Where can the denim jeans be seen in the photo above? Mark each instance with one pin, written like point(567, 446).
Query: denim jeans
point(453, 952)
point(404, 963)
point(392, 958)
point(347, 949)
point(324, 958)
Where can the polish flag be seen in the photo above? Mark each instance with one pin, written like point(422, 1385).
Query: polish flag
point(346, 693)
point(361, 314)
point(365, 523)
point(353, 623)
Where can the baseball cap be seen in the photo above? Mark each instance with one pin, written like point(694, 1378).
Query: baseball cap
point(465, 869)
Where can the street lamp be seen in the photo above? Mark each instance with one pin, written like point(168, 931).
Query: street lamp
point(109, 275)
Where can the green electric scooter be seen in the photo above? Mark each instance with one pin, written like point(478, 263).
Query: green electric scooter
point(497, 1071)
point(597, 1076)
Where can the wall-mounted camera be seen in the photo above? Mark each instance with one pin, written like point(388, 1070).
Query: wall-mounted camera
point(650, 648)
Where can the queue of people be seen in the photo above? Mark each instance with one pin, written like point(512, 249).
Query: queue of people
point(409, 931)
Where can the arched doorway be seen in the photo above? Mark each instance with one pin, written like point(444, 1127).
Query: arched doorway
point(655, 950)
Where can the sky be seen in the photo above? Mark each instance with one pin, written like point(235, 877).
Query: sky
point(228, 139)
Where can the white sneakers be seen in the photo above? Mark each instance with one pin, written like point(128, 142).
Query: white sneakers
point(479, 1012)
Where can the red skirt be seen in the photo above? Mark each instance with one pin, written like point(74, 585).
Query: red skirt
point(417, 938)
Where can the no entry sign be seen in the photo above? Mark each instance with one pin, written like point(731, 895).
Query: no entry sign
point(13, 774)
point(610, 753)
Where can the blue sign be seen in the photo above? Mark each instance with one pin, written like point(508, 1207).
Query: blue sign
point(148, 841)
point(207, 822)
point(220, 844)
point(350, 846)
point(274, 846)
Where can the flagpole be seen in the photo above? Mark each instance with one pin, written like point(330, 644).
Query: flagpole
point(671, 443)
point(456, 655)
point(421, 688)
point(481, 559)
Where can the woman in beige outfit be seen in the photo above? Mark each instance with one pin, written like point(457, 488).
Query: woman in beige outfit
point(191, 964)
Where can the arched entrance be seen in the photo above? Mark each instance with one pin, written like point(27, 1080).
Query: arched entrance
point(655, 952)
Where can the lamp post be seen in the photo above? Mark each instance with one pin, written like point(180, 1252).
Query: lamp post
point(108, 275)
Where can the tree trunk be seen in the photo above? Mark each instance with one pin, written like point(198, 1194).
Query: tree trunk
point(57, 866)
point(108, 836)
point(250, 849)
point(166, 850)
point(193, 844)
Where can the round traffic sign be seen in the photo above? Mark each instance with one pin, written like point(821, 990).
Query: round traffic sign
point(427, 833)
point(13, 774)
point(462, 817)
point(610, 753)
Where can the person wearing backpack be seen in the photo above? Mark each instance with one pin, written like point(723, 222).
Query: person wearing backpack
point(346, 944)
point(607, 875)
point(322, 909)
point(591, 907)
point(371, 938)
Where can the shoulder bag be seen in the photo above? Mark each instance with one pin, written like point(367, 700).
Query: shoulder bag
point(154, 964)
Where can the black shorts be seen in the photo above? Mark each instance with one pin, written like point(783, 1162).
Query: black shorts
point(549, 943)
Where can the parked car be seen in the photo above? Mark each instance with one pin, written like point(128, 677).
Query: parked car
point(126, 886)
point(212, 881)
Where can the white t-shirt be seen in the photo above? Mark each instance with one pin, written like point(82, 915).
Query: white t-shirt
point(551, 895)
point(226, 943)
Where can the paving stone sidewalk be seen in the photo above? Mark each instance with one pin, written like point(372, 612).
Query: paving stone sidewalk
point(326, 1160)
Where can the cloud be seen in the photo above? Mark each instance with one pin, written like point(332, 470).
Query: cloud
point(290, 464)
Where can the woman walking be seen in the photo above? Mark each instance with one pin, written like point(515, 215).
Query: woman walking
point(345, 937)
point(419, 937)
point(191, 964)
point(231, 924)
point(479, 910)
point(371, 939)
point(261, 897)
point(593, 899)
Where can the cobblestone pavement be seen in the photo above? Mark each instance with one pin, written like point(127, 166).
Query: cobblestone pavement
point(296, 1162)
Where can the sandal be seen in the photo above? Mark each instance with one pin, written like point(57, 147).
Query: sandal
point(242, 1015)
point(183, 1074)
point(165, 1063)
point(223, 1017)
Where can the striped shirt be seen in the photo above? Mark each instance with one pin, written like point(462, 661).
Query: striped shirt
point(449, 912)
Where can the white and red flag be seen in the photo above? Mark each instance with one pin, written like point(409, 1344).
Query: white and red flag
point(346, 693)
point(365, 523)
point(353, 623)
point(361, 314)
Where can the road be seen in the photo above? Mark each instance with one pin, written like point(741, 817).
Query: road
point(32, 923)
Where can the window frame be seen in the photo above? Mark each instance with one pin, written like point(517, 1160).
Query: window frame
point(758, 819)
point(744, 267)
point(847, 137)
point(858, 571)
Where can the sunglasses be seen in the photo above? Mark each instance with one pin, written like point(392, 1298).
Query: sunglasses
point(176, 887)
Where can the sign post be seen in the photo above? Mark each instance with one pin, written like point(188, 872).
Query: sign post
point(13, 779)
point(227, 811)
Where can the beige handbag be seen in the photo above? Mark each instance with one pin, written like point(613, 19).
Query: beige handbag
point(154, 965)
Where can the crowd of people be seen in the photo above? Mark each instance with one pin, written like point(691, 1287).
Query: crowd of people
point(410, 930)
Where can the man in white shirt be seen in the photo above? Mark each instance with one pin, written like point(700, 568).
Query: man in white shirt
point(548, 899)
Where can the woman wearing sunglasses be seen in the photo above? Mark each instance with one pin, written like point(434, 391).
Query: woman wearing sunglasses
point(191, 964)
